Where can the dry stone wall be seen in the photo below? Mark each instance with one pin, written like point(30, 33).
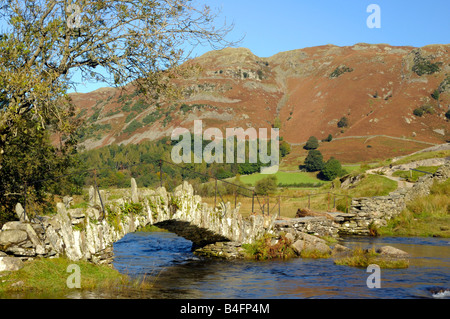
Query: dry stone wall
point(378, 210)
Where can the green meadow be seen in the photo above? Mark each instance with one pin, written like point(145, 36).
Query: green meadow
point(284, 178)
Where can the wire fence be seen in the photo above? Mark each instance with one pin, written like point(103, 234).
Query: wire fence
point(255, 203)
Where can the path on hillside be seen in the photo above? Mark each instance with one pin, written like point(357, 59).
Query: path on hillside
point(368, 137)
point(388, 171)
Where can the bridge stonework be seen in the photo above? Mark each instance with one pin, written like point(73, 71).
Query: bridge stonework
point(87, 234)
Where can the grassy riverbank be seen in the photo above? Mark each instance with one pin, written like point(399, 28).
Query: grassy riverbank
point(424, 216)
point(49, 277)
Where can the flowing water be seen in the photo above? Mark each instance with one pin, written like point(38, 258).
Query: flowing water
point(167, 261)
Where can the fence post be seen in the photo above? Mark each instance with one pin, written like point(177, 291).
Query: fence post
point(160, 174)
point(253, 201)
point(334, 203)
point(309, 201)
point(268, 205)
point(235, 198)
point(215, 193)
point(328, 202)
point(346, 204)
point(99, 196)
point(279, 205)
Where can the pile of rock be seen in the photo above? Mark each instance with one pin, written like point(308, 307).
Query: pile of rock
point(223, 250)
point(319, 226)
point(302, 242)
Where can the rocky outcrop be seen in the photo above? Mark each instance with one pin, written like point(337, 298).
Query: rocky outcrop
point(305, 242)
point(10, 263)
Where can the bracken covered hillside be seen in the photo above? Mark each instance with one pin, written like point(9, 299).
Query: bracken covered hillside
point(401, 92)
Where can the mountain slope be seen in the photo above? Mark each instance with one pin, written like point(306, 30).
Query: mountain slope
point(376, 87)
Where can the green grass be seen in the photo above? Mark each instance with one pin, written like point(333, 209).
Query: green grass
point(369, 186)
point(373, 185)
point(49, 276)
point(352, 168)
point(285, 178)
point(426, 216)
point(422, 156)
point(413, 176)
point(362, 259)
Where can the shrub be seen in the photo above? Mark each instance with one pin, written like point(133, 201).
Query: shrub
point(418, 112)
point(314, 161)
point(266, 185)
point(264, 249)
point(285, 148)
point(140, 105)
point(331, 169)
point(133, 126)
point(328, 139)
point(152, 117)
point(339, 71)
point(312, 143)
point(423, 66)
point(424, 109)
point(435, 95)
point(343, 122)
point(447, 115)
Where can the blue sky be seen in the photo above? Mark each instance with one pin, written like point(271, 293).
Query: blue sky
point(272, 26)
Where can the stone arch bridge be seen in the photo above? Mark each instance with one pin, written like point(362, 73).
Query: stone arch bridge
point(88, 234)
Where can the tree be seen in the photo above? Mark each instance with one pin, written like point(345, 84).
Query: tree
point(285, 148)
point(343, 122)
point(45, 42)
point(447, 114)
point(331, 169)
point(32, 166)
point(314, 161)
point(119, 42)
point(266, 185)
point(312, 143)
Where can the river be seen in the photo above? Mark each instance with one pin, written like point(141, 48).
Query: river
point(167, 262)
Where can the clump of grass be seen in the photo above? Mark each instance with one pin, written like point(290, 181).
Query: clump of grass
point(314, 254)
point(152, 228)
point(263, 249)
point(424, 216)
point(363, 258)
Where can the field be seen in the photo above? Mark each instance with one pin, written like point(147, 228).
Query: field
point(284, 178)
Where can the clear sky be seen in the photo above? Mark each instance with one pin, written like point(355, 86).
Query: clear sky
point(272, 26)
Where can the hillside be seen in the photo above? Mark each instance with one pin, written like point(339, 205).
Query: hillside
point(376, 87)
